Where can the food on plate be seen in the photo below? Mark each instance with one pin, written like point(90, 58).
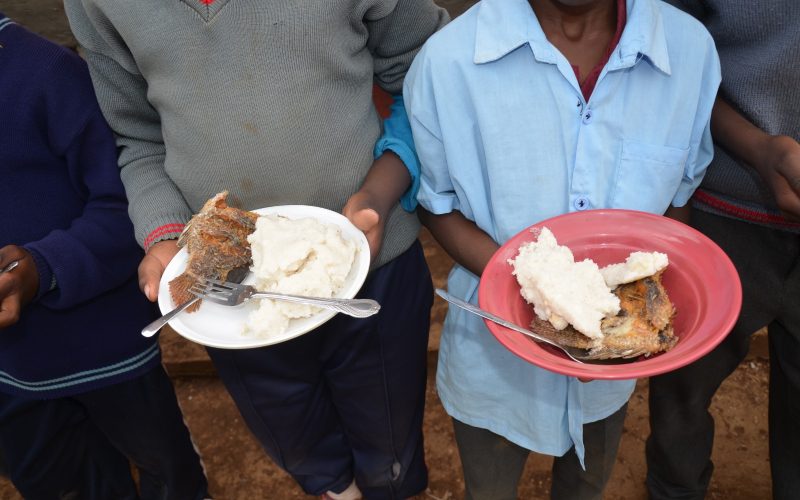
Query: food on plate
point(638, 265)
point(561, 290)
point(574, 295)
point(216, 241)
point(644, 322)
point(299, 257)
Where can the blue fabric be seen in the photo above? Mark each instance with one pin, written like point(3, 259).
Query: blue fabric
point(62, 199)
point(505, 136)
point(397, 138)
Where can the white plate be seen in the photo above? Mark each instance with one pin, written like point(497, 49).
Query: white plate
point(221, 326)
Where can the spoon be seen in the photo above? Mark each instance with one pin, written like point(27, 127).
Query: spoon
point(573, 353)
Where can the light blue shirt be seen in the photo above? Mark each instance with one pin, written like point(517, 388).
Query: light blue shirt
point(505, 136)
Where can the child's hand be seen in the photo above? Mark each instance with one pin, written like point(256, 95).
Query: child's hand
point(18, 286)
point(779, 166)
point(364, 214)
point(152, 266)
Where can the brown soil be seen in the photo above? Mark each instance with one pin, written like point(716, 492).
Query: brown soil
point(239, 470)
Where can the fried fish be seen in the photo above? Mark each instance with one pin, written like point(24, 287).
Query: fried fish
point(643, 322)
point(216, 241)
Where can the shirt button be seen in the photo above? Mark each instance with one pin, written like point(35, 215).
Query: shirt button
point(581, 203)
point(588, 116)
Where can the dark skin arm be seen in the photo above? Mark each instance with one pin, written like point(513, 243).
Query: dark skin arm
point(776, 158)
point(370, 206)
point(464, 241)
point(680, 214)
point(18, 286)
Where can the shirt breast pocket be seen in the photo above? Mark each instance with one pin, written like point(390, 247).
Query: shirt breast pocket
point(648, 176)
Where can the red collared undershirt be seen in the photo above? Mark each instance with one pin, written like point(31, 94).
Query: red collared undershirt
point(587, 85)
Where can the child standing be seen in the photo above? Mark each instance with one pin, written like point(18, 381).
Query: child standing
point(81, 391)
point(272, 100)
point(749, 204)
point(522, 111)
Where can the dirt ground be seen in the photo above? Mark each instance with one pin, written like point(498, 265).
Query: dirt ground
point(239, 470)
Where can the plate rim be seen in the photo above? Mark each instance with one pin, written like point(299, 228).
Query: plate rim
point(362, 265)
point(637, 369)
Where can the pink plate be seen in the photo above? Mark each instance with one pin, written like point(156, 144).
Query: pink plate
point(700, 280)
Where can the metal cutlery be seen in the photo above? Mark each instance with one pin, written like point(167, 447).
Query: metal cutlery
point(232, 294)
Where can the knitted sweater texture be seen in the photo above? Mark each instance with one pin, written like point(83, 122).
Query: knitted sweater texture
point(62, 200)
point(271, 100)
point(758, 48)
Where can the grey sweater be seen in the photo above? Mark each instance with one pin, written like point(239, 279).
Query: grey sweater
point(758, 44)
point(269, 99)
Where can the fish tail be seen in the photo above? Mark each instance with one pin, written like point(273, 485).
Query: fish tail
point(179, 291)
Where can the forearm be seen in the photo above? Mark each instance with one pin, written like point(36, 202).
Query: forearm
point(464, 241)
point(398, 139)
point(776, 158)
point(680, 214)
point(736, 134)
point(386, 181)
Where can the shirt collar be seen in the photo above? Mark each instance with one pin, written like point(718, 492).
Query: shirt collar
point(505, 25)
point(644, 36)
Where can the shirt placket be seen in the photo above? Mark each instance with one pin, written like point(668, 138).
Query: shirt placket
point(580, 192)
point(583, 115)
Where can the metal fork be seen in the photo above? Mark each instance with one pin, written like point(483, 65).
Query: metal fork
point(574, 353)
point(231, 294)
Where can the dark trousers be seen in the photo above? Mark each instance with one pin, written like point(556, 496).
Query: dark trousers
point(346, 401)
point(75, 447)
point(493, 465)
point(682, 430)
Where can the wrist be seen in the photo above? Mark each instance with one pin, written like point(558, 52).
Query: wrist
point(165, 232)
point(386, 182)
point(772, 152)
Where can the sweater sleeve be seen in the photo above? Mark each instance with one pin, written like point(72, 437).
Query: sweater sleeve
point(96, 252)
point(397, 29)
point(157, 208)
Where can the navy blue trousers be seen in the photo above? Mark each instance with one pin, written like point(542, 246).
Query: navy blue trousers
point(682, 429)
point(346, 401)
point(75, 447)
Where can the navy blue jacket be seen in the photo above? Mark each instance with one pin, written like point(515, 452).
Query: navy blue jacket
point(62, 199)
